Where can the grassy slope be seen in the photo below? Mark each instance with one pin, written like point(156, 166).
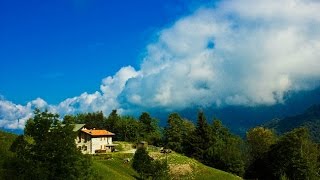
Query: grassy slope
point(113, 169)
point(181, 167)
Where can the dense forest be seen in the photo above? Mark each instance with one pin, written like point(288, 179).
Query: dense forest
point(47, 148)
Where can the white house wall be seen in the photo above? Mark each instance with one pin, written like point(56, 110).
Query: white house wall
point(89, 144)
point(100, 143)
point(84, 143)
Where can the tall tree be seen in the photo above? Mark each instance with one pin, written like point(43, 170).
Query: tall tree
point(149, 129)
point(177, 132)
point(113, 123)
point(52, 154)
point(147, 122)
point(259, 141)
point(201, 138)
point(141, 162)
point(149, 168)
point(225, 151)
point(173, 133)
point(128, 129)
point(295, 156)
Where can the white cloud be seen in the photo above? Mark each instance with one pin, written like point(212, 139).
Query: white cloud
point(261, 50)
point(14, 116)
point(248, 53)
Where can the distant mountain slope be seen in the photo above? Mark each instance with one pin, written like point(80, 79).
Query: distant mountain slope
point(310, 119)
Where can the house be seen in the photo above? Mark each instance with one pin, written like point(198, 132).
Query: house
point(92, 141)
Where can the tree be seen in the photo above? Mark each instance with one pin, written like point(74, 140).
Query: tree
point(259, 140)
point(225, 150)
point(177, 133)
point(173, 133)
point(142, 162)
point(147, 167)
point(294, 156)
point(147, 122)
point(112, 123)
point(92, 120)
point(52, 153)
point(159, 169)
point(200, 139)
point(149, 129)
point(128, 129)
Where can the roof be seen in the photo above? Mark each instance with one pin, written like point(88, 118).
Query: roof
point(95, 132)
point(77, 127)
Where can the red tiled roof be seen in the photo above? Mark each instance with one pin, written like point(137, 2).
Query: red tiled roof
point(95, 132)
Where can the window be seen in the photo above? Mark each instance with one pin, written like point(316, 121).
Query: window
point(84, 148)
point(101, 146)
point(79, 147)
point(101, 139)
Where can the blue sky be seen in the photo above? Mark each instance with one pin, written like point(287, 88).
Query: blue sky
point(72, 56)
point(59, 49)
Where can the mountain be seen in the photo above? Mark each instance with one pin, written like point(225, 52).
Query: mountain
point(241, 118)
point(310, 119)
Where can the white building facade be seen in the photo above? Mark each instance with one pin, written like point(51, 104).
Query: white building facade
point(92, 141)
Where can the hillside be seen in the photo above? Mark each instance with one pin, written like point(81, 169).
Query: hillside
point(181, 167)
point(310, 119)
point(6, 140)
point(112, 166)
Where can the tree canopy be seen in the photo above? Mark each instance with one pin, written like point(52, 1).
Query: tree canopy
point(47, 150)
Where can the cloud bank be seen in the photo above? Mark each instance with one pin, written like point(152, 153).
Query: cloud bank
point(244, 53)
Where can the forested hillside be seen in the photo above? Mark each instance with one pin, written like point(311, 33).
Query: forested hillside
point(309, 119)
point(6, 140)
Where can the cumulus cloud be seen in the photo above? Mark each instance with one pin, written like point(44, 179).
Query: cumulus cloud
point(104, 100)
point(14, 116)
point(247, 53)
point(239, 53)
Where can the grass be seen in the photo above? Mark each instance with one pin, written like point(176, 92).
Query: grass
point(182, 167)
point(112, 166)
point(114, 169)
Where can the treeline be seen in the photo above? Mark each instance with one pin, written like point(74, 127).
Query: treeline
point(261, 154)
point(126, 128)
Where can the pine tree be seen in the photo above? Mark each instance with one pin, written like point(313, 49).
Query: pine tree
point(200, 139)
point(174, 133)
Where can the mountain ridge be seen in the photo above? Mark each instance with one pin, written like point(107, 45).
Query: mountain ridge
point(310, 119)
